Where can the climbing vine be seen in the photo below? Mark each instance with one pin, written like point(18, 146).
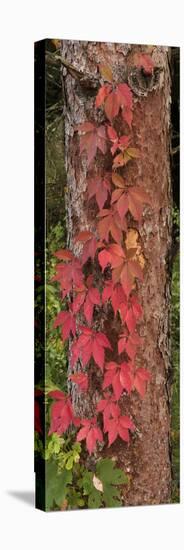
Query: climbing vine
point(120, 267)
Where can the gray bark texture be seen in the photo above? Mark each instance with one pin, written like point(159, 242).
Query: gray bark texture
point(147, 458)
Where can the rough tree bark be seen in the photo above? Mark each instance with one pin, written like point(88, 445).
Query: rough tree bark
point(147, 458)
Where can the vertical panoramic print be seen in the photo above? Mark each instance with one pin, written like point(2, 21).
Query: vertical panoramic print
point(106, 274)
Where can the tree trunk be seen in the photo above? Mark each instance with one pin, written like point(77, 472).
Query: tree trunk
point(147, 458)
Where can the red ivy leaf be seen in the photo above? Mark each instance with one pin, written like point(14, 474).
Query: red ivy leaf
point(104, 258)
point(142, 376)
point(130, 199)
point(129, 343)
point(102, 94)
point(131, 312)
point(91, 432)
point(124, 269)
point(118, 143)
point(120, 97)
point(61, 413)
point(68, 322)
point(100, 187)
point(119, 376)
point(90, 245)
point(87, 297)
point(112, 105)
point(108, 407)
point(83, 236)
point(64, 254)
point(92, 138)
point(115, 293)
point(69, 275)
point(91, 344)
point(111, 222)
point(119, 425)
point(81, 379)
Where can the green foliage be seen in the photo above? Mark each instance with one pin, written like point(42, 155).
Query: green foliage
point(67, 458)
point(70, 484)
point(56, 485)
point(53, 446)
point(56, 350)
point(101, 487)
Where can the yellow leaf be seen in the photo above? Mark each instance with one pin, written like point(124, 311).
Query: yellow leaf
point(106, 72)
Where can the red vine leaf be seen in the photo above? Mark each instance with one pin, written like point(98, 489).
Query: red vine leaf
point(61, 412)
point(124, 268)
point(68, 322)
point(87, 297)
point(115, 293)
point(81, 379)
point(108, 407)
point(100, 187)
point(83, 236)
point(91, 432)
point(118, 143)
point(92, 299)
point(131, 312)
point(102, 94)
point(111, 223)
point(92, 138)
point(104, 258)
point(90, 344)
point(118, 425)
point(90, 245)
point(69, 275)
point(142, 376)
point(64, 254)
point(119, 376)
point(129, 343)
point(130, 199)
point(112, 105)
point(125, 102)
point(119, 97)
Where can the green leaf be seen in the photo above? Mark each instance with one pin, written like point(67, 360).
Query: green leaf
point(111, 496)
point(56, 485)
point(109, 474)
point(95, 499)
point(69, 463)
point(87, 482)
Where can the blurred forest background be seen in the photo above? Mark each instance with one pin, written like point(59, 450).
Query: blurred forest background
point(56, 351)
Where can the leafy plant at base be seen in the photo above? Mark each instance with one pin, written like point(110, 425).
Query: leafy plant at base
point(101, 486)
